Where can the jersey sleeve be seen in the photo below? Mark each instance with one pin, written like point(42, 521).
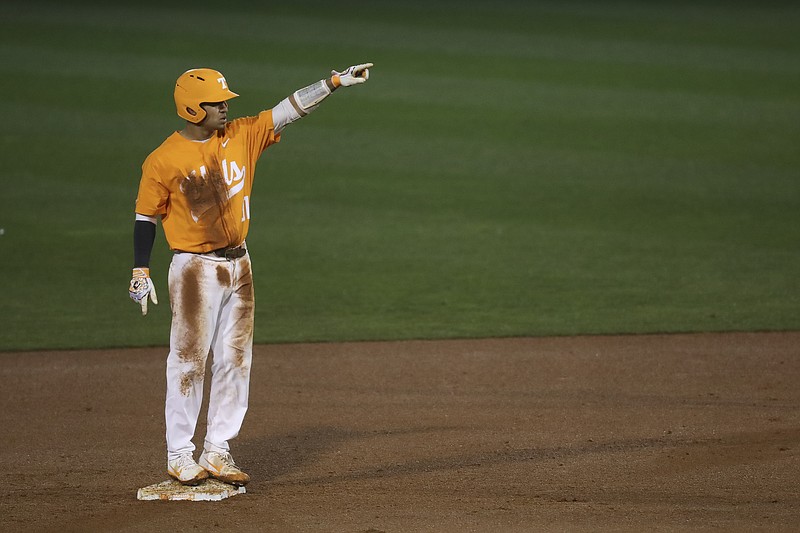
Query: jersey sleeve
point(259, 132)
point(153, 194)
point(264, 131)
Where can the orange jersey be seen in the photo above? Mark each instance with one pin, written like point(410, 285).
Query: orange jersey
point(201, 189)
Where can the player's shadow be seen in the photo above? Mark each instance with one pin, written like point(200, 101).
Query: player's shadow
point(278, 456)
point(290, 458)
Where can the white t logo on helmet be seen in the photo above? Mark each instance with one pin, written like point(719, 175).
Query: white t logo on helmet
point(223, 83)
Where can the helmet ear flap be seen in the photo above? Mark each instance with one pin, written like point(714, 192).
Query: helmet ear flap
point(194, 115)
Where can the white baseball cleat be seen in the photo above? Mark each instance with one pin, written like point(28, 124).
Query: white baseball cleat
point(222, 467)
point(186, 470)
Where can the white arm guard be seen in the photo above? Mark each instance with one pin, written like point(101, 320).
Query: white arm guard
point(307, 99)
point(300, 103)
point(310, 97)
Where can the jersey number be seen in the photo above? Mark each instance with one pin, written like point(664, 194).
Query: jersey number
point(245, 208)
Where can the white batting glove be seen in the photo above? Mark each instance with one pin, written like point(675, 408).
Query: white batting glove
point(142, 287)
point(352, 75)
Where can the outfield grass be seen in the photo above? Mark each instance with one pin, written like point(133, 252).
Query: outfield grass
point(511, 168)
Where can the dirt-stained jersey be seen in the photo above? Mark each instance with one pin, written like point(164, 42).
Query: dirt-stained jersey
point(201, 189)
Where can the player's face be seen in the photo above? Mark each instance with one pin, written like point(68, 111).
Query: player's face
point(216, 115)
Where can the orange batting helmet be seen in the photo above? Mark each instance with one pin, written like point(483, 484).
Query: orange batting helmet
point(197, 86)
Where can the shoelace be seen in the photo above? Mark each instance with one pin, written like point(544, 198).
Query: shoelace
point(227, 459)
point(185, 461)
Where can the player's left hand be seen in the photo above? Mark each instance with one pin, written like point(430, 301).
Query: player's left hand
point(352, 75)
point(141, 287)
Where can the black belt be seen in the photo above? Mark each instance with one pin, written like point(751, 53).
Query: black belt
point(227, 253)
point(230, 253)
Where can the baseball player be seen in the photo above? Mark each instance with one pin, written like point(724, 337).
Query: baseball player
point(198, 182)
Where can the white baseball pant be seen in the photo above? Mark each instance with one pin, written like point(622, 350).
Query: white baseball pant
point(212, 312)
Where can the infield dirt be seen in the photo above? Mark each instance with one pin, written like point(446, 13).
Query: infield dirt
point(627, 433)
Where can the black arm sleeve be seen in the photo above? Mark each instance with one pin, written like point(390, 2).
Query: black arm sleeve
point(144, 235)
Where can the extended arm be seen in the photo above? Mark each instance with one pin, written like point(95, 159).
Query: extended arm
point(144, 235)
point(303, 101)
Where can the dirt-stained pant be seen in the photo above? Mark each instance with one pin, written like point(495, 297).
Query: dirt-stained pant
point(212, 312)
